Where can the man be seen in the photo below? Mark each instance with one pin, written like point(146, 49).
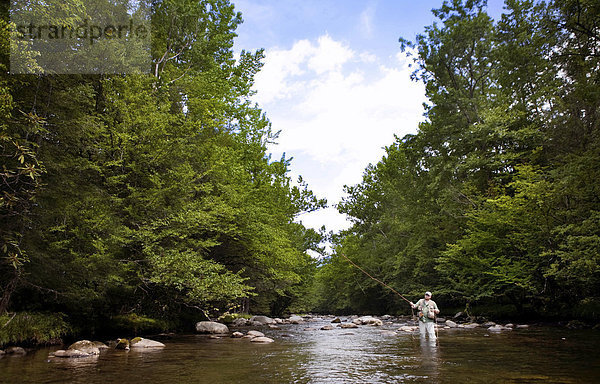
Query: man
point(427, 310)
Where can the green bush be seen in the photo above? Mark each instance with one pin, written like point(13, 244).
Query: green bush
point(136, 324)
point(33, 328)
point(228, 318)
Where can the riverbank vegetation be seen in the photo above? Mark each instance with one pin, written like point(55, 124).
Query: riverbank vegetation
point(149, 200)
point(494, 202)
point(145, 202)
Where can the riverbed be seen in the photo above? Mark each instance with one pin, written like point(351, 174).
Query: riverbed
point(362, 355)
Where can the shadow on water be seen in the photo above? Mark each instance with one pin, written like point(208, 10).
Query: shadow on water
point(361, 355)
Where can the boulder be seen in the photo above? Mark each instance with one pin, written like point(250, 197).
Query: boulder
point(336, 320)
point(488, 324)
point(509, 325)
point(237, 335)
point(327, 328)
point(100, 345)
point(470, 325)
point(239, 322)
point(211, 327)
point(255, 334)
point(264, 320)
point(277, 320)
point(407, 328)
point(85, 346)
point(70, 353)
point(295, 319)
point(347, 325)
point(386, 317)
point(262, 339)
point(451, 324)
point(368, 320)
point(122, 344)
point(15, 351)
point(273, 326)
point(498, 327)
point(140, 342)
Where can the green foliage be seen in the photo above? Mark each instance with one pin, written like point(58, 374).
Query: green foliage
point(32, 328)
point(495, 199)
point(135, 324)
point(154, 194)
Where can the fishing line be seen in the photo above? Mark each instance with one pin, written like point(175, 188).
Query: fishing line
point(377, 280)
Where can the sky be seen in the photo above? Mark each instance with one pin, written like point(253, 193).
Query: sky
point(336, 85)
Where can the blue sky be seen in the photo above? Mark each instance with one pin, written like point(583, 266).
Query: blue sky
point(336, 84)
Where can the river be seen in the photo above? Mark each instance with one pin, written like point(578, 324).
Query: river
point(362, 355)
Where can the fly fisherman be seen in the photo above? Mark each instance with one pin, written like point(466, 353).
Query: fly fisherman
point(427, 310)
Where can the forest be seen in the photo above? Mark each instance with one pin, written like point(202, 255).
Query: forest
point(147, 201)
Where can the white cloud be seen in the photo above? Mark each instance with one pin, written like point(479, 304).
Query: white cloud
point(336, 109)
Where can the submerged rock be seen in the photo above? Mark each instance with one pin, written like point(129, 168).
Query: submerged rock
point(140, 342)
point(15, 351)
point(347, 325)
point(211, 327)
point(262, 339)
point(85, 346)
point(70, 353)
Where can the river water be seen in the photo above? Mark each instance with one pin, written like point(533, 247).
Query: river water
point(362, 355)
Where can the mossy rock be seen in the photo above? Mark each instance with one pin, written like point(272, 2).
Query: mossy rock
point(122, 344)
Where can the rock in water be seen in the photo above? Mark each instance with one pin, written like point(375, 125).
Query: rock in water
point(70, 353)
point(255, 334)
point(451, 324)
point(368, 320)
point(264, 320)
point(211, 327)
point(336, 320)
point(140, 342)
point(15, 351)
point(327, 328)
point(122, 344)
point(239, 322)
point(347, 325)
point(295, 319)
point(100, 345)
point(262, 339)
point(85, 346)
point(237, 335)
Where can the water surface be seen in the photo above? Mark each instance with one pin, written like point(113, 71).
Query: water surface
point(363, 355)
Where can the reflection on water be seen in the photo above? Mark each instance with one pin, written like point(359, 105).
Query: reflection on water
point(358, 355)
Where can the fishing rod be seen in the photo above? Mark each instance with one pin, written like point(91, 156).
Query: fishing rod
point(396, 292)
point(377, 280)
